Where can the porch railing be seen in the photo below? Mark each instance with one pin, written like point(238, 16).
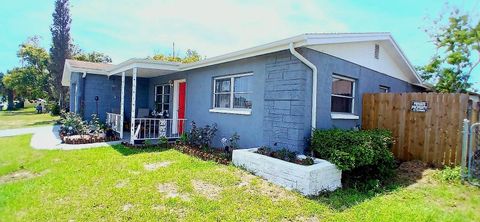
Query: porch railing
point(152, 128)
point(114, 120)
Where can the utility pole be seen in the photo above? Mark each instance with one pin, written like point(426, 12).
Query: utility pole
point(173, 53)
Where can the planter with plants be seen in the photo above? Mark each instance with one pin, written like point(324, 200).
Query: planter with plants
point(308, 175)
point(74, 130)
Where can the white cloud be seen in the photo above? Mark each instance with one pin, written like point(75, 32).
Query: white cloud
point(127, 29)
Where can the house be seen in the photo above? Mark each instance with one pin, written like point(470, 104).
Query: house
point(272, 94)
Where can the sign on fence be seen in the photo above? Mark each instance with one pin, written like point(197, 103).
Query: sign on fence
point(425, 126)
point(419, 106)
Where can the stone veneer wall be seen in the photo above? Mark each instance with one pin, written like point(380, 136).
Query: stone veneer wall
point(285, 98)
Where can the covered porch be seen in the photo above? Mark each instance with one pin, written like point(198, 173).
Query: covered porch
point(152, 101)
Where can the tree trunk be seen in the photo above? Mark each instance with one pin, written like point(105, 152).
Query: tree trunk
point(10, 99)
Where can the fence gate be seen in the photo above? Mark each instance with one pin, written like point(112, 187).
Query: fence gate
point(425, 126)
point(471, 152)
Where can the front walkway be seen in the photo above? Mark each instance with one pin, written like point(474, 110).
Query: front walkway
point(47, 138)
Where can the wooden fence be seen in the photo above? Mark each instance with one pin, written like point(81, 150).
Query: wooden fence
point(432, 135)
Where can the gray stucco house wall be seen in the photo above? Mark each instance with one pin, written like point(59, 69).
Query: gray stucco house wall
point(108, 90)
point(282, 86)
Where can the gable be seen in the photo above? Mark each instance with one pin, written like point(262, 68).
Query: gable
point(363, 53)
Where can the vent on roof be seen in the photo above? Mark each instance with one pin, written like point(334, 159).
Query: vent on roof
point(377, 51)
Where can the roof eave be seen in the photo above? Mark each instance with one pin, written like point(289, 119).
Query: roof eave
point(298, 41)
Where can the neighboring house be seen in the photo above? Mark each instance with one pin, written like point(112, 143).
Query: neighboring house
point(267, 94)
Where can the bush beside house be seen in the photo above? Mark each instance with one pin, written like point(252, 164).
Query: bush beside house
point(74, 130)
point(362, 156)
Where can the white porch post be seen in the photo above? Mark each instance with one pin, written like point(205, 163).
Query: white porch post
point(134, 98)
point(122, 105)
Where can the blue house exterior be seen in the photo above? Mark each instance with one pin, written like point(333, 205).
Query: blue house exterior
point(276, 101)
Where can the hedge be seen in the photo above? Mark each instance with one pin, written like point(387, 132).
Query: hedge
point(364, 154)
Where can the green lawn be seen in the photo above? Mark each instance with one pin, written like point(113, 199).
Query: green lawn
point(117, 183)
point(24, 118)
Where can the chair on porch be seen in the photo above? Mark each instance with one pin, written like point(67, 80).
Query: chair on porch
point(143, 113)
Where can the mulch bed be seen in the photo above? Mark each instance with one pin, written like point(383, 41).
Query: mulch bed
point(412, 171)
point(214, 155)
point(202, 154)
point(85, 139)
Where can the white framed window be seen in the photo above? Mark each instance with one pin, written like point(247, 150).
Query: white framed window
point(343, 95)
point(384, 89)
point(162, 98)
point(233, 94)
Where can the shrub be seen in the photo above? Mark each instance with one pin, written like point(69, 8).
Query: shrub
point(201, 136)
point(234, 141)
point(231, 143)
point(361, 155)
point(96, 126)
point(183, 138)
point(72, 124)
point(449, 175)
point(54, 108)
point(164, 141)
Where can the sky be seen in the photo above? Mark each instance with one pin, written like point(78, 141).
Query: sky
point(126, 29)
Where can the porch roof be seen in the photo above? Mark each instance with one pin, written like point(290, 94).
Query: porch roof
point(146, 68)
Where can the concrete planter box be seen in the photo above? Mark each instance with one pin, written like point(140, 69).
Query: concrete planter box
point(308, 180)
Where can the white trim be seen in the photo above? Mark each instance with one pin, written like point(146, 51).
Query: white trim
point(75, 105)
point(176, 94)
point(163, 94)
point(134, 98)
point(231, 93)
point(385, 89)
point(122, 105)
point(228, 76)
point(143, 64)
point(231, 111)
point(354, 83)
point(351, 116)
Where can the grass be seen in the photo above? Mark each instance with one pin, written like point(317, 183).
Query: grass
point(26, 117)
point(112, 184)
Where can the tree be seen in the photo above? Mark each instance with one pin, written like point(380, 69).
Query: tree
point(190, 56)
point(457, 40)
point(61, 48)
point(91, 57)
point(31, 80)
point(2, 88)
point(36, 60)
point(24, 82)
point(6, 94)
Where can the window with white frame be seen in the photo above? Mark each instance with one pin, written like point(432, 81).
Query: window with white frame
point(162, 98)
point(233, 92)
point(343, 94)
point(384, 89)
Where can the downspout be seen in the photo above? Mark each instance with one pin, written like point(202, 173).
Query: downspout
point(314, 84)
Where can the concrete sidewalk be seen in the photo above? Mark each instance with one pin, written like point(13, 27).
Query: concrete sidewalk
point(22, 131)
point(47, 138)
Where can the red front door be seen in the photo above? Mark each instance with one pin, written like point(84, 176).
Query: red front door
point(181, 106)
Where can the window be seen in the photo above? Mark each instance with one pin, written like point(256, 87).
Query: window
point(343, 94)
point(233, 93)
point(377, 51)
point(162, 98)
point(384, 89)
